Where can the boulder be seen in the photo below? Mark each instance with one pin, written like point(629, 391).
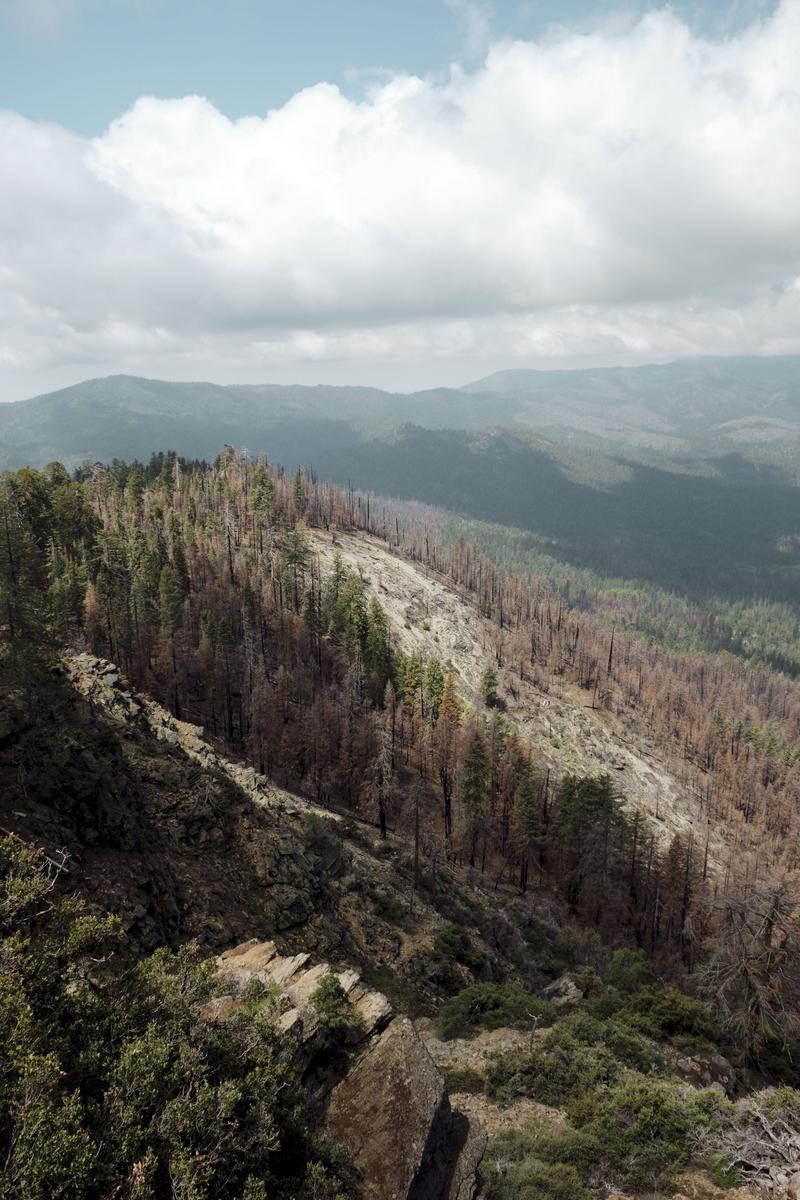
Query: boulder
point(563, 991)
point(392, 1114)
point(387, 1106)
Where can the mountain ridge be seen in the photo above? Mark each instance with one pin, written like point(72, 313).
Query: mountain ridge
point(688, 407)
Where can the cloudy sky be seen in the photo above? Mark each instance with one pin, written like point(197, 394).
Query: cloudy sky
point(403, 195)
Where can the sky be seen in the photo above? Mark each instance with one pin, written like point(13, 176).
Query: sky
point(401, 195)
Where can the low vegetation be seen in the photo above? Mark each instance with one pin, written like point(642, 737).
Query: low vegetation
point(492, 1006)
point(112, 1082)
point(626, 1116)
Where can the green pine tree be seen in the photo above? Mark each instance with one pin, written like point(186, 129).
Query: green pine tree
point(433, 687)
point(378, 651)
point(474, 790)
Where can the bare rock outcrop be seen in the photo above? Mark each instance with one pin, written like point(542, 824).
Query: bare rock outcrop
point(296, 980)
point(389, 1107)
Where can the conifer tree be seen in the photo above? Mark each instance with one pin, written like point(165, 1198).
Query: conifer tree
point(474, 791)
point(444, 739)
point(377, 650)
point(433, 686)
point(295, 557)
point(489, 687)
point(528, 815)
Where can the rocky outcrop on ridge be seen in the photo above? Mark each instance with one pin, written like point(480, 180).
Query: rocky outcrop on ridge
point(387, 1105)
point(180, 841)
point(160, 829)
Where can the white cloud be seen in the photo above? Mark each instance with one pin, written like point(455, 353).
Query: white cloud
point(623, 195)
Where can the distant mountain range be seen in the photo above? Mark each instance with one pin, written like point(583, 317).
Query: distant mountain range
point(689, 408)
point(684, 474)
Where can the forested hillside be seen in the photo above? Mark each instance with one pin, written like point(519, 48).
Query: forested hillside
point(629, 473)
point(200, 583)
point(208, 589)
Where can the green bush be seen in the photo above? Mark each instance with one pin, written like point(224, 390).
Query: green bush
point(604, 1003)
point(552, 1073)
point(531, 1179)
point(646, 1128)
point(113, 1083)
point(723, 1173)
point(538, 937)
point(629, 1048)
point(323, 838)
point(587, 981)
point(335, 1011)
point(453, 944)
point(492, 1006)
point(574, 947)
point(578, 1054)
point(577, 1148)
point(664, 1013)
point(784, 1104)
point(630, 971)
point(387, 903)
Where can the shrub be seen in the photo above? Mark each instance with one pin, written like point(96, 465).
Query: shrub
point(112, 1083)
point(452, 943)
point(722, 1171)
point(577, 1148)
point(532, 1179)
point(491, 1006)
point(604, 1004)
point(665, 1013)
point(575, 947)
point(537, 936)
point(577, 1055)
point(335, 1011)
point(587, 981)
point(323, 838)
point(388, 905)
point(646, 1128)
point(628, 1047)
point(552, 1073)
point(630, 971)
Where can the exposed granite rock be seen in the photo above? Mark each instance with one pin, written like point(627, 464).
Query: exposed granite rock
point(393, 1115)
point(296, 981)
point(563, 991)
point(704, 1070)
point(388, 1106)
point(385, 1111)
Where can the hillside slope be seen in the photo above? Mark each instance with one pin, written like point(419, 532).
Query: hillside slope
point(461, 847)
point(564, 730)
point(182, 841)
point(694, 403)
